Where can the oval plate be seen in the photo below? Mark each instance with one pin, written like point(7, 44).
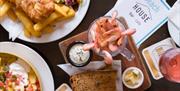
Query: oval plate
point(61, 28)
point(30, 56)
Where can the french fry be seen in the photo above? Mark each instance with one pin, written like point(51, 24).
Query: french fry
point(79, 1)
point(28, 24)
point(70, 14)
point(24, 19)
point(40, 25)
point(48, 29)
point(12, 14)
point(27, 33)
point(2, 2)
point(62, 9)
point(4, 9)
point(36, 33)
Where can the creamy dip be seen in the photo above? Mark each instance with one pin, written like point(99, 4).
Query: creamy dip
point(78, 55)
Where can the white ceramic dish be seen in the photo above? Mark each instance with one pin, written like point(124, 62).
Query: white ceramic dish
point(140, 80)
point(31, 57)
point(174, 22)
point(174, 32)
point(62, 28)
point(64, 87)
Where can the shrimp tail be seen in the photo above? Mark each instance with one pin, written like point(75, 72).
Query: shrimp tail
point(113, 47)
point(128, 32)
point(87, 47)
point(107, 58)
point(120, 41)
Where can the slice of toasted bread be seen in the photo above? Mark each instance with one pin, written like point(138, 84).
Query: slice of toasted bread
point(94, 81)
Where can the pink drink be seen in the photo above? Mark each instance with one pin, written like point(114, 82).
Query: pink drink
point(170, 65)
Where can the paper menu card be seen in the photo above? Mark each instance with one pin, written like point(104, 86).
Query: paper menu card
point(152, 55)
point(144, 15)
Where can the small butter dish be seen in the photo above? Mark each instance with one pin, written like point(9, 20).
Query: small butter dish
point(133, 77)
point(64, 87)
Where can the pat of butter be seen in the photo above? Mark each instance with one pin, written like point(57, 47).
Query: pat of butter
point(152, 55)
point(132, 77)
point(64, 87)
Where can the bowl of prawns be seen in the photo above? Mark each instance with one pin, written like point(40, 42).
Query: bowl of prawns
point(107, 37)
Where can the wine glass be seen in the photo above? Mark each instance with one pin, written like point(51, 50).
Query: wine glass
point(170, 65)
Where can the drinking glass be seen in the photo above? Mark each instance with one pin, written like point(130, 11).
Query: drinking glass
point(122, 49)
point(170, 65)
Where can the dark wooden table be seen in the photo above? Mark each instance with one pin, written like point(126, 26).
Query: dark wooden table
point(50, 51)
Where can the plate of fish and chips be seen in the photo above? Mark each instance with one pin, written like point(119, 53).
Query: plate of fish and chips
point(42, 21)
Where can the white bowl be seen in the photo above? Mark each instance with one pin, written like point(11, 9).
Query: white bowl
point(33, 59)
point(64, 87)
point(140, 81)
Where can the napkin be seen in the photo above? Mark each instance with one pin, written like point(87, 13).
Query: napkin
point(72, 70)
point(13, 32)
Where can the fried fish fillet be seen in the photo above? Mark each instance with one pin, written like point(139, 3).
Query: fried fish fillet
point(37, 10)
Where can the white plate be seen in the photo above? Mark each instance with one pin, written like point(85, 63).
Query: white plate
point(62, 28)
point(64, 87)
point(174, 22)
point(174, 32)
point(33, 58)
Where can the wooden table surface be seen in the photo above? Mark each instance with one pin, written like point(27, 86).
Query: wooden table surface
point(50, 51)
